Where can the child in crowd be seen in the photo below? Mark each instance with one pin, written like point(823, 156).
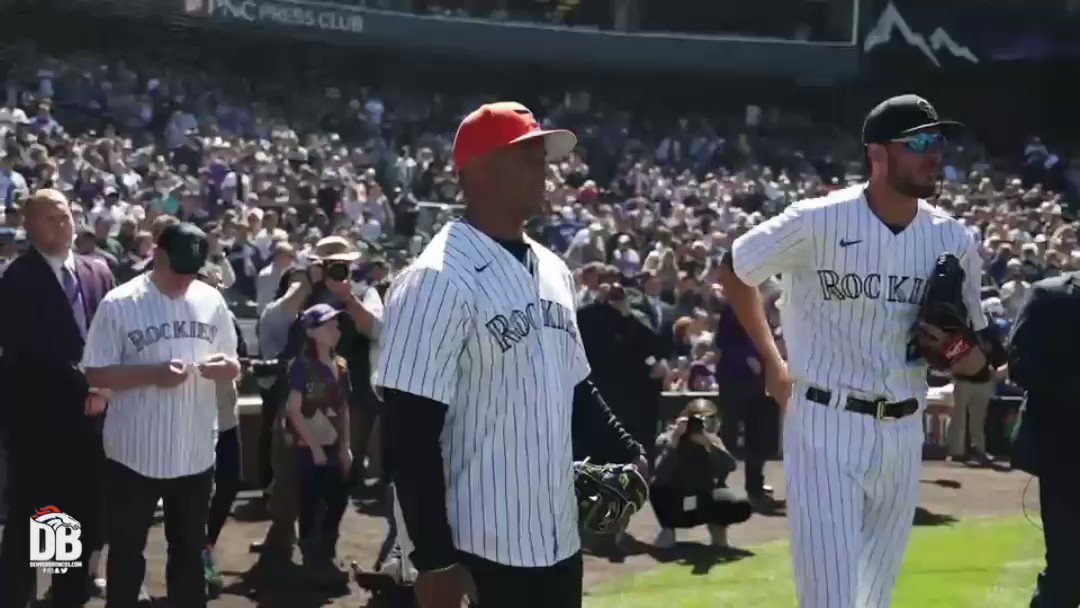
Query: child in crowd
point(689, 485)
point(318, 416)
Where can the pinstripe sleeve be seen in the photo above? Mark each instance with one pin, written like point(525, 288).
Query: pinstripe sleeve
point(104, 341)
point(972, 264)
point(424, 325)
point(779, 244)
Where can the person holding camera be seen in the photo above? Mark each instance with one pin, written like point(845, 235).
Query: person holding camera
point(345, 287)
point(689, 487)
point(281, 336)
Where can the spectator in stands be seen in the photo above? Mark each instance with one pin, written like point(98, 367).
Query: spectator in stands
point(282, 257)
point(689, 488)
point(275, 461)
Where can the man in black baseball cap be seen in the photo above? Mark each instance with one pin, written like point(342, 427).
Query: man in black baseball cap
point(905, 137)
point(184, 248)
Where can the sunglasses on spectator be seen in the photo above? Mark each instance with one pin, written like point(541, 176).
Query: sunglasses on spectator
point(922, 143)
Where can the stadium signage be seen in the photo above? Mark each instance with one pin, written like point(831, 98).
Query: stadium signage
point(288, 14)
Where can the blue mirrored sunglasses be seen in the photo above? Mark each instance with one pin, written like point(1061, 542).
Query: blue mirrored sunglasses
point(922, 143)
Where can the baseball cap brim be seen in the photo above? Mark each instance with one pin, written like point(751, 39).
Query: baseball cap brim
point(323, 318)
point(558, 143)
point(348, 256)
point(948, 128)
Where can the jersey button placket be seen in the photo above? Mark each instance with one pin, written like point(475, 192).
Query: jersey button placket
point(887, 254)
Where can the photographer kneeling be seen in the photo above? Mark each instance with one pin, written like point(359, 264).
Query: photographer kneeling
point(689, 487)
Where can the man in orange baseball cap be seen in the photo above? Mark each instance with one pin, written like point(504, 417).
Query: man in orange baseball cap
point(501, 156)
point(482, 326)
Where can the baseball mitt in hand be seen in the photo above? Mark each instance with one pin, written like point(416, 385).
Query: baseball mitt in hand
point(943, 331)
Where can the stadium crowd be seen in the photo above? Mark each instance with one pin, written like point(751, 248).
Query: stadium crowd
point(642, 212)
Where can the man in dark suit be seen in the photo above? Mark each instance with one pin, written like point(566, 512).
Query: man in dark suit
point(660, 314)
point(1044, 354)
point(628, 362)
point(49, 414)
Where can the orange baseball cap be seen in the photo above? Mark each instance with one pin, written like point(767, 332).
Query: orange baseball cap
point(503, 123)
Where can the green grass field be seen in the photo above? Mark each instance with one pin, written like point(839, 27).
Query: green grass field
point(984, 563)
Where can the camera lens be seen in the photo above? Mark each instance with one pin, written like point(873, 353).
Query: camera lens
point(339, 271)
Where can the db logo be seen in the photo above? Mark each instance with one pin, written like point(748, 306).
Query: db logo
point(54, 541)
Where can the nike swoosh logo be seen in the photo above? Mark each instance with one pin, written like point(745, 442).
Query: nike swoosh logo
point(844, 243)
point(482, 268)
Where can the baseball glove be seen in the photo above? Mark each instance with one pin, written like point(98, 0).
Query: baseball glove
point(950, 338)
point(608, 495)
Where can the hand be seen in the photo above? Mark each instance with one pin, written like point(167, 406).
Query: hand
point(171, 374)
point(318, 455)
point(680, 429)
point(95, 404)
point(642, 466)
point(345, 456)
point(445, 588)
point(341, 289)
point(778, 383)
point(216, 367)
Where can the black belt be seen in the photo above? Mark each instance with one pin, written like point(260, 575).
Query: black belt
point(878, 408)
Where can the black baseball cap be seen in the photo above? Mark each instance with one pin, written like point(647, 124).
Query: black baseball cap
point(187, 247)
point(903, 115)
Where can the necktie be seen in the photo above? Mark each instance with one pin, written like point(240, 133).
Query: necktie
point(74, 297)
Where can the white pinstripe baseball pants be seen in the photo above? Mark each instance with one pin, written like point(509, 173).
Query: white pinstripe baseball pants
point(852, 490)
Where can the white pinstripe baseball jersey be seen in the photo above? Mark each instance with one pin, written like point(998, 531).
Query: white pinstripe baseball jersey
point(470, 326)
point(161, 432)
point(852, 288)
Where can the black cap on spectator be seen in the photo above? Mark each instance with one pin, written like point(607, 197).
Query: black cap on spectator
point(187, 247)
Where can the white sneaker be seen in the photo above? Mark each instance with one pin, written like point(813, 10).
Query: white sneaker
point(144, 596)
point(718, 534)
point(665, 539)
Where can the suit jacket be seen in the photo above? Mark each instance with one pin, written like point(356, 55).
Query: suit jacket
point(1044, 356)
point(661, 323)
point(41, 347)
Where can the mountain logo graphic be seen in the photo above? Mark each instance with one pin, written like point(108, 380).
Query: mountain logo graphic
point(892, 21)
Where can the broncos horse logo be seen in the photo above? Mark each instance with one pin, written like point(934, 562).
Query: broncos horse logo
point(55, 519)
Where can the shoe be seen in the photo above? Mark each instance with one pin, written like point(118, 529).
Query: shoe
point(144, 596)
point(767, 489)
point(718, 536)
point(98, 587)
point(763, 503)
point(210, 570)
point(665, 539)
point(980, 461)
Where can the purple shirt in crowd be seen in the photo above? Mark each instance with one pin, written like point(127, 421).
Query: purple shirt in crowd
point(734, 346)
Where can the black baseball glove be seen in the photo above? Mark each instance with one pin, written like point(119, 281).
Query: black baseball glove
point(608, 495)
point(943, 332)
